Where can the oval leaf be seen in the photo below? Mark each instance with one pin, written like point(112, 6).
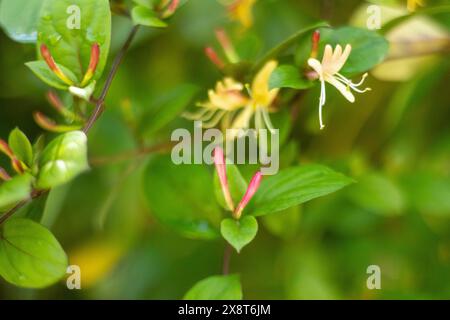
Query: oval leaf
point(368, 47)
point(294, 186)
point(19, 18)
point(62, 160)
point(146, 17)
point(69, 28)
point(288, 76)
point(180, 196)
point(21, 146)
point(30, 256)
point(216, 288)
point(15, 190)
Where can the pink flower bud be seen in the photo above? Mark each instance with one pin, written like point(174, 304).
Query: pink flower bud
point(212, 55)
point(227, 45)
point(251, 190)
point(53, 66)
point(219, 162)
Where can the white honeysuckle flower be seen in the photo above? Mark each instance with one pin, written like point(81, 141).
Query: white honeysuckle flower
point(328, 71)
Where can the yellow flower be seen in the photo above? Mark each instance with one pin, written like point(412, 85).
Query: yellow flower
point(261, 100)
point(227, 103)
point(328, 71)
point(412, 5)
point(241, 10)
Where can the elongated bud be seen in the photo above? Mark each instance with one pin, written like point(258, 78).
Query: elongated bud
point(95, 56)
point(212, 55)
point(227, 45)
point(4, 175)
point(173, 6)
point(55, 102)
point(53, 66)
point(219, 162)
point(4, 148)
point(251, 190)
point(315, 44)
point(17, 165)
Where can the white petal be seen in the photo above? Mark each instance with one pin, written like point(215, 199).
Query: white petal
point(317, 66)
point(343, 89)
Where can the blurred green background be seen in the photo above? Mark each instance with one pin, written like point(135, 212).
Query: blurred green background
point(394, 141)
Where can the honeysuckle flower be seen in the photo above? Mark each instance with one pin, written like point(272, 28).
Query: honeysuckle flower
point(251, 190)
point(226, 98)
point(328, 71)
point(227, 103)
point(219, 162)
point(54, 67)
point(95, 56)
point(241, 10)
point(262, 98)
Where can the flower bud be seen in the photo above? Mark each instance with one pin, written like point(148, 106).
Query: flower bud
point(95, 56)
point(53, 66)
point(315, 44)
point(212, 55)
point(227, 46)
point(219, 162)
point(251, 190)
point(4, 175)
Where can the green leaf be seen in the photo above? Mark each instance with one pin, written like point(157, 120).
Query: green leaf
point(368, 47)
point(69, 46)
point(21, 146)
point(216, 288)
point(293, 186)
point(168, 109)
point(30, 256)
point(146, 17)
point(236, 183)
point(19, 18)
point(287, 76)
point(377, 193)
point(43, 72)
point(286, 44)
point(62, 160)
point(180, 197)
point(239, 233)
point(15, 190)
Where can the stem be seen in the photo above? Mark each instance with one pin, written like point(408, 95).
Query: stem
point(226, 259)
point(99, 107)
point(100, 104)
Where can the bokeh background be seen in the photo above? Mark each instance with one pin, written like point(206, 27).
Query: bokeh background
point(394, 141)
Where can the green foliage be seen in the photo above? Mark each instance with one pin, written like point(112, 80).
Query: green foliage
point(15, 190)
point(30, 256)
point(71, 47)
point(368, 47)
point(296, 185)
point(146, 17)
point(216, 288)
point(43, 72)
point(19, 18)
point(191, 212)
point(170, 107)
point(21, 146)
point(287, 76)
point(62, 160)
point(239, 233)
